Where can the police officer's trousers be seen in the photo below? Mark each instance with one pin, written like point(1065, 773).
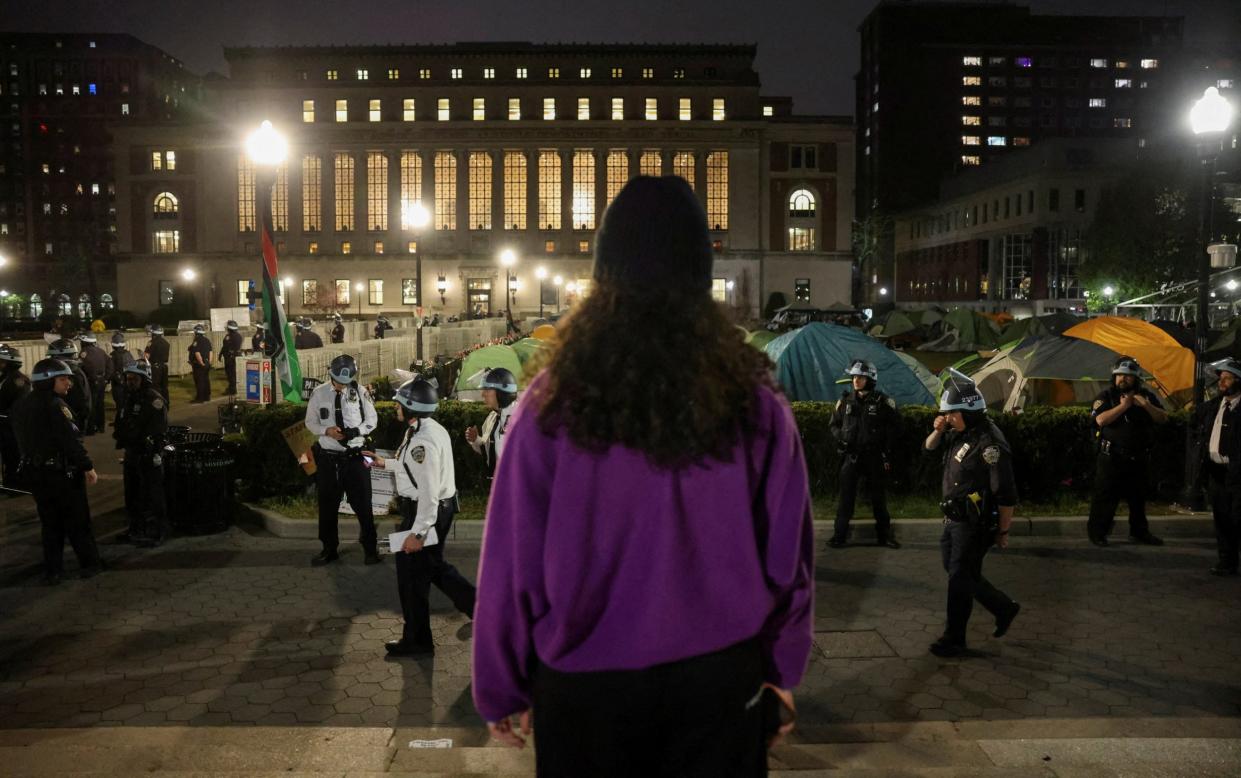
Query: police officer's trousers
point(202, 383)
point(416, 572)
point(64, 513)
point(853, 468)
point(346, 474)
point(10, 457)
point(144, 495)
point(159, 379)
point(230, 372)
point(1225, 507)
point(963, 546)
point(1118, 477)
point(97, 390)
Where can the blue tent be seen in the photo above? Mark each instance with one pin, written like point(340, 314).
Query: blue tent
point(811, 361)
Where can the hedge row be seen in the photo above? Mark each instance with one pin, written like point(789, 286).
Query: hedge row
point(1053, 448)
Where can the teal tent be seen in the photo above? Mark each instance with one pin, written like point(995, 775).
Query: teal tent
point(811, 361)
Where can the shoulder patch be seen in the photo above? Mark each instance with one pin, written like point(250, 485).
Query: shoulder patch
point(1097, 405)
point(891, 402)
point(991, 454)
point(68, 413)
point(419, 454)
point(158, 403)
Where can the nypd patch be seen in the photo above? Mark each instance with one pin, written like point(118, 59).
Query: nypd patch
point(991, 454)
point(68, 413)
point(419, 454)
point(1097, 405)
point(158, 403)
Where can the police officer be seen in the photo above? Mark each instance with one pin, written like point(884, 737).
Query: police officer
point(381, 326)
point(14, 385)
point(1124, 415)
point(119, 359)
point(342, 414)
point(864, 425)
point(1219, 436)
point(979, 495)
point(500, 395)
point(259, 341)
point(200, 364)
point(95, 366)
point(57, 468)
point(229, 351)
point(338, 329)
point(79, 397)
point(141, 423)
point(427, 497)
point(157, 352)
point(306, 337)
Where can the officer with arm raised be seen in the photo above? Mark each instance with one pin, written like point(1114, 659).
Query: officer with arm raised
point(978, 498)
point(500, 396)
point(342, 414)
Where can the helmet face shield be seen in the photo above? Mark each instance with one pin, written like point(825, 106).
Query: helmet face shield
point(961, 394)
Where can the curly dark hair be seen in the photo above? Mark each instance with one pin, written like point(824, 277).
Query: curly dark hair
point(665, 375)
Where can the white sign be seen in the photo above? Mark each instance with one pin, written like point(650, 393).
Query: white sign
point(383, 488)
point(220, 317)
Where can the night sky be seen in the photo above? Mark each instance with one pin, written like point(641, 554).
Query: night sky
point(806, 48)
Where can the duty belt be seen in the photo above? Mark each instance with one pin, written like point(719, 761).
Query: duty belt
point(1114, 450)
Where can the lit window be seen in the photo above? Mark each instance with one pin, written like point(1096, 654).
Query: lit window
point(441, 109)
point(549, 246)
point(124, 109)
point(1225, 83)
point(166, 206)
point(312, 192)
point(1121, 64)
point(394, 74)
point(409, 290)
point(489, 72)
point(77, 90)
point(157, 161)
point(522, 73)
point(651, 163)
point(92, 89)
point(1024, 62)
point(445, 190)
point(549, 108)
point(1098, 62)
point(310, 288)
point(583, 247)
point(583, 108)
point(1098, 102)
point(343, 287)
point(648, 72)
point(1122, 122)
point(971, 100)
point(165, 242)
point(997, 140)
point(411, 187)
point(970, 140)
point(374, 111)
point(514, 109)
point(363, 74)
point(455, 73)
point(678, 72)
point(331, 75)
point(308, 111)
point(342, 110)
point(94, 189)
point(1124, 83)
point(549, 190)
point(617, 173)
point(971, 160)
point(768, 110)
point(618, 72)
point(553, 72)
point(684, 111)
point(971, 121)
point(312, 247)
point(378, 247)
point(971, 62)
point(408, 109)
point(618, 108)
point(971, 81)
point(717, 190)
point(377, 191)
point(245, 194)
point(480, 190)
point(344, 178)
point(683, 166)
point(583, 189)
point(801, 239)
point(424, 73)
point(480, 109)
point(652, 108)
point(1150, 63)
point(346, 247)
point(1021, 141)
point(584, 73)
point(717, 109)
point(514, 190)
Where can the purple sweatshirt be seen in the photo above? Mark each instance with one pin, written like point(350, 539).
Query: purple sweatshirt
point(603, 561)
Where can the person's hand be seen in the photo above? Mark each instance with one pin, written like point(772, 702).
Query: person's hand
point(1001, 539)
point(786, 699)
point(1126, 401)
point(471, 434)
point(1140, 400)
point(503, 731)
point(376, 461)
point(92, 477)
point(941, 423)
point(411, 545)
point(335, 434)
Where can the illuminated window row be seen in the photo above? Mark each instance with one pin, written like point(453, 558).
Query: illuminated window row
point(612, 108)
point(519, 73)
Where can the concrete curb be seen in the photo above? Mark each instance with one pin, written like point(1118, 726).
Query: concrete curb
point(1196, 525)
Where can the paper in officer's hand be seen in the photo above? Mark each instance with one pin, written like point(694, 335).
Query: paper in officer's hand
point(397, 539)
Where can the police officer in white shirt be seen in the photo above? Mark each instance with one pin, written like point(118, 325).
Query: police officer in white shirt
point(427, 496)
point(500, 395)
point(1220, 431)
point(342, 414)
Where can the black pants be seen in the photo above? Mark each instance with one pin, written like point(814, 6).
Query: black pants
point(1225, 506)
point(10, 457)
point(416, 572)
point(159, 379)
point(64, 513)
point(144, 495)
point(230, 371)
point(118, 393)
point(1118, 478)
point(963, 546)
point(98, 422)
point(202, 382)
point(853, 468)
point(686, 718)
point(338, 474)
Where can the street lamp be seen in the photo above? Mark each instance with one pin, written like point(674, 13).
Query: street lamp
point(541, 273)
point(414, 217)
point(188, 274)
point(729, 285)
point(267, 149)
point(441, 286)
point(1209, 118)
point(508, 258)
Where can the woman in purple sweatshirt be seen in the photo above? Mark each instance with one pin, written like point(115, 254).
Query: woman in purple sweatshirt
point(647, 567)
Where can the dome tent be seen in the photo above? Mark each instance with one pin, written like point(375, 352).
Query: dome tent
point(1052, 370)
point(965, 330)
point(478, 362)
point(1169, 362)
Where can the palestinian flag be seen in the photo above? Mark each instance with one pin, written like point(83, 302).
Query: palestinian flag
point(284, 364)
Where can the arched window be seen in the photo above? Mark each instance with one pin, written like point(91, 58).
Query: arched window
point(36, 306)
point(801, 204)
point(166, 205)
point(84, 307)
point(64, 306)
point(106, 303)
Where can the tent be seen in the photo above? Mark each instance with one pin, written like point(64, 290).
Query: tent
point(544, 332)
point(1038, 326)
point(811, 360)
point(527, 348)
point(1051, 370)
point(478, 362)
point(965, 330)
point(760, 338)
point(895, 322)
point(1177, 331)
point(1169, 362)
point(1227, 343)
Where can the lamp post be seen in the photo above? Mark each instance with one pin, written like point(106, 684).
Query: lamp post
point(729, 285)
point(1209, 118)
point(541, 274)
point(285, 285)
point(508, 258)
point(268, 149)
point(441, 286)
point(414, 217)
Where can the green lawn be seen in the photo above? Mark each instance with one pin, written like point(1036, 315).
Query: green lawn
point(180, 391)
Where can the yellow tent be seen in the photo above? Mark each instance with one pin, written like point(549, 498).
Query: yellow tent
point(1169, 362)
point(544, 332)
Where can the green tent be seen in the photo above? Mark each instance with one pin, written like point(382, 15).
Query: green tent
point(527, 348)
point(965, 330)
point(760, 338)
point(895, 322)
point(479, 361)
point(1038, 327)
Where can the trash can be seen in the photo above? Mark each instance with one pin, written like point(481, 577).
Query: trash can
point(197, 482)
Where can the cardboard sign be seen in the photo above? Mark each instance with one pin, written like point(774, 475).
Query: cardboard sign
point(383, 487)
point(300, 441)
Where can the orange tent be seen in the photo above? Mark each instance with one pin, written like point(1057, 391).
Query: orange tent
point(1169, 362)
point(544, 332)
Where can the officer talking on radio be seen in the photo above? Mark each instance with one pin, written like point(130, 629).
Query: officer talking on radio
point(864, 424)
point(978, 498)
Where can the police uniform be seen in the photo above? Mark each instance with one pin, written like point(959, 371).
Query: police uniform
point(1121, 466)
point(14, 385)
point(200, 351)
point(490, 440)
point(229, 351)
point(864, 425)
point(157, 354)
point(306, 337)
point(95, 365)
point(1219, 441)
point(339, 464)
point(79, 397)
point(338, 332)
point(141, 424)
point(427, 498)
point(977, 481)
point(54, 462)
point(258, 341)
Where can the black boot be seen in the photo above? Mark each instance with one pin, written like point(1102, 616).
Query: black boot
point(324, 557)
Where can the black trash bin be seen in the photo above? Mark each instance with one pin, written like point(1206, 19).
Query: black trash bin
point(198, 482)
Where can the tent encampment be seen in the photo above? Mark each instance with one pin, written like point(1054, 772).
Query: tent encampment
point(478, 362)
point(1169, 362)
point(893, 323)
point(760, 338)
point(1038, 326)
point(811, 360)
point(527, 348)
point(1051, 370)
point(965, 330)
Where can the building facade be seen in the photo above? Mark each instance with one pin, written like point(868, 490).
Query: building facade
point(60, 98)
point(507, 147)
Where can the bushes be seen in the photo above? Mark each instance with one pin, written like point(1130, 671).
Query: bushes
point(1053, 450)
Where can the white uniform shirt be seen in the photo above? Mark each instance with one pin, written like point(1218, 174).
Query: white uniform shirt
point(498, 422)
point(1228, 404)
point(424, 471)
point(356, 407)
